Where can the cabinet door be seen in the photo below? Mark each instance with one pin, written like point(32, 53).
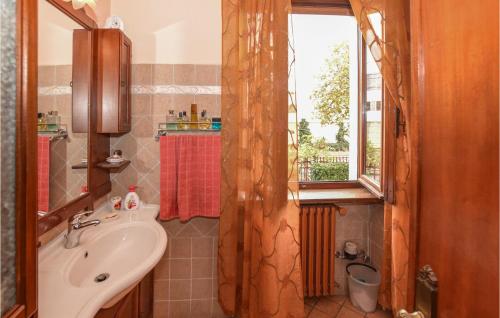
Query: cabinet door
point(81, 81)
point(125, 94)
point(128, 307)
point(146, 297)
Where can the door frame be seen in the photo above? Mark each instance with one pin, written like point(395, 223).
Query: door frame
point(26, 163)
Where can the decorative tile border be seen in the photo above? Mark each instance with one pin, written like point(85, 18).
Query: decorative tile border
point(54, 90)
point(143, 90)
point(176, 89)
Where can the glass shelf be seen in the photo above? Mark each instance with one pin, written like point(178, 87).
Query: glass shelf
point(164, 131)
point(59, 134)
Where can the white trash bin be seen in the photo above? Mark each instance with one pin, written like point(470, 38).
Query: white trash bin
point(363, 283)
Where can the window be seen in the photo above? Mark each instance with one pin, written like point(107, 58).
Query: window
point(340, 99)
point(326, 75)
point(371, 117)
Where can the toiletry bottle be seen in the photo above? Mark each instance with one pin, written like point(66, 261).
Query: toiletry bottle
point(180, 121)
point(171, 120)
point(194, 116)
point(41, 122)
point(205, 122)
point(216, 123)
point(51, 121)
point(132, 199)
point(185, 121)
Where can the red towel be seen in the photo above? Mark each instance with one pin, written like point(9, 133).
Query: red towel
point(190, 172)
point(43, 173)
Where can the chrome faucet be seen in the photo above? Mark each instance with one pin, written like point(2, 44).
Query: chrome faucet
point(76, 228)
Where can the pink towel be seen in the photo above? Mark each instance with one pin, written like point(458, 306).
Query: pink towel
point(190, 168)
point(43, 173)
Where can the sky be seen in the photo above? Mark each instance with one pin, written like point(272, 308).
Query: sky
point(314, 37)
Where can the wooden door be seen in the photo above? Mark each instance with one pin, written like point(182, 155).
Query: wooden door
point(456, 87)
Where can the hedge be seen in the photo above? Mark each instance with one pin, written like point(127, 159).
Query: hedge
point(338, 171)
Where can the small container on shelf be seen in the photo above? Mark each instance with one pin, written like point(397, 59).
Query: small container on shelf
point(205, 122)
point(42, 122)
point(185, 121)
point(194, 117)
point(171, 120)
point(116, 158)
point(53, 120)
point(179, 121)
point(216, 123)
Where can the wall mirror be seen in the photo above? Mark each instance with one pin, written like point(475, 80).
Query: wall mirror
point(64, 95)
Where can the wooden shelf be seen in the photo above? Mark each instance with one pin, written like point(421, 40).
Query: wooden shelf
point(79, 166)
point(114, 167)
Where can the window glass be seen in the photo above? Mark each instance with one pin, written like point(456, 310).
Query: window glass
point(372, 115)
point(373, 120)
point(325, 48)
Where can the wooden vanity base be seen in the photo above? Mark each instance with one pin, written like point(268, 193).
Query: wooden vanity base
point(138, 303)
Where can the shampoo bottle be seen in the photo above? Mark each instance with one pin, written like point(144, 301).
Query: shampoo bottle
point(132, 199)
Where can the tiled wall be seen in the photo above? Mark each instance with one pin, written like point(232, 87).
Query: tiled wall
point(185, 278)
point(359, 225)
point(55, 94)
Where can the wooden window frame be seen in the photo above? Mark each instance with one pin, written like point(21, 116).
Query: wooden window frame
point(384, 190)
point(326, 7)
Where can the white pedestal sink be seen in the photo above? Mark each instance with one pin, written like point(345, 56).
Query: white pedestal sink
point(111, 257)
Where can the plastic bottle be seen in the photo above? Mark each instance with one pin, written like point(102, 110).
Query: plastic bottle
point(132, 199)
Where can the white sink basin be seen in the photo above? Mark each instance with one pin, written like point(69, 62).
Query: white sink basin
point(111, 257)
point(115, 253)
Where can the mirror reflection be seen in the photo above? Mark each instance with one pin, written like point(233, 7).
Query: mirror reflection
point(62, 146)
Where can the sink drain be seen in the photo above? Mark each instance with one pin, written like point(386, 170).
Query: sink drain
point(101, 277)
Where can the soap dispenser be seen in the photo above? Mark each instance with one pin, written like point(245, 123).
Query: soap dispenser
point(132, 199)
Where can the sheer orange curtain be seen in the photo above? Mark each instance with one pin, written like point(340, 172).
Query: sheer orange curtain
point(259, 254)
point(391, 50)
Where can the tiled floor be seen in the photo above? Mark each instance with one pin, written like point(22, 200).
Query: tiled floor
point(338, 307)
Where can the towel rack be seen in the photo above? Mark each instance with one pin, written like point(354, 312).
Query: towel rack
point(59, 134)
point(164, 131)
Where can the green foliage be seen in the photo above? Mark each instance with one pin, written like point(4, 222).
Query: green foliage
point(342, 144)
point(331, 106)
point(373, 155)
point(315, 148)
point(331, 98)
point(305, 135)
point(338, 171)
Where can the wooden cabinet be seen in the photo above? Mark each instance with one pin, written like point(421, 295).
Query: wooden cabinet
point(138, 303)
point(114, 51)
